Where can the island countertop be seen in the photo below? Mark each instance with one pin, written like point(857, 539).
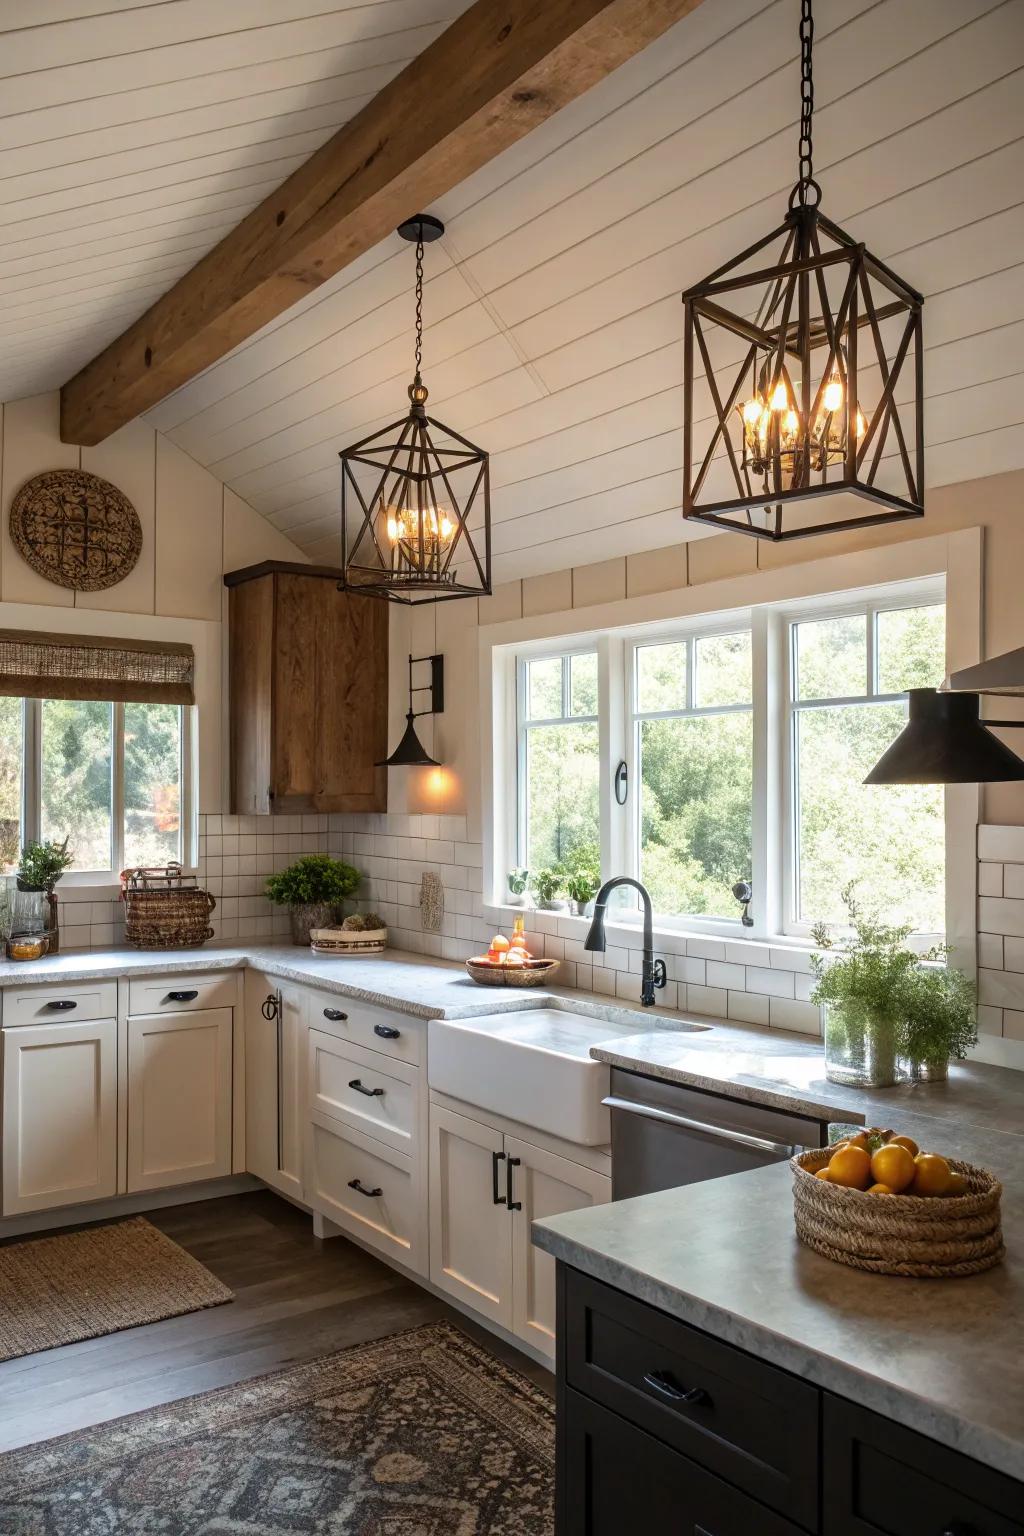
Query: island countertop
point(940, 1356)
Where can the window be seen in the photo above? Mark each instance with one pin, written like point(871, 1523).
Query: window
point(112, 778)
point(559, 765)
point(745, 740)
point(693, 743)
point(847, 677)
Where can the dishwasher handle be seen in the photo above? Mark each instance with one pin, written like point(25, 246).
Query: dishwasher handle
point(721, 1132)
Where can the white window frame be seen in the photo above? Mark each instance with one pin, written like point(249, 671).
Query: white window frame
point(31, 791)
point(773, 810)
point(919, 594)
point(524, 725)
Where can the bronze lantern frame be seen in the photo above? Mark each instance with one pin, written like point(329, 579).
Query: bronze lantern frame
point(406, 525)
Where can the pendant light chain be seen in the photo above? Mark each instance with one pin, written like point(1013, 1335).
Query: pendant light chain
point(419, 308)
point(806, 184)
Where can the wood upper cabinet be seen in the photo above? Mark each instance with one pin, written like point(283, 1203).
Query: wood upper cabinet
point(308, 692)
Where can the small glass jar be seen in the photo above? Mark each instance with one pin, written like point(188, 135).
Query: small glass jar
point(860, 1046)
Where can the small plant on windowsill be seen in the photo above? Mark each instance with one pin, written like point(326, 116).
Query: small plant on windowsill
point(581, 883)
point(40, 867)
point(312, 889)
point(547, 886)
point(517, 880)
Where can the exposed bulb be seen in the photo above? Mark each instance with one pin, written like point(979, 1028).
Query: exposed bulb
point(403, 525)
point(832, 399)
point(862, 425)
point(790, 424)
point(780, 399)
point(752, 411)
point(392, 528)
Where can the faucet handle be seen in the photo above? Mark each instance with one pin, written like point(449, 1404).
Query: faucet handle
point(660, 977)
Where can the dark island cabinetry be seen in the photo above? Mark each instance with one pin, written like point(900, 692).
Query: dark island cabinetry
point(663, 1428)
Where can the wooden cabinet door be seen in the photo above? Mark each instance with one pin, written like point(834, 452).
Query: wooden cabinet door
point(179, 1098)
point(470, 1225)
point(275, 1098)
point(542, 1185)
point(329, 698)
point(60, 1115)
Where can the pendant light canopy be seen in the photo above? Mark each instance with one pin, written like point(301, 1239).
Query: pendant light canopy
point(945, 742)
point(803, 376)
point(415, 497)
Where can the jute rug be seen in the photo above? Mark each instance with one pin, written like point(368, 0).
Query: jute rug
point(78, 1285)
point(419, 1434)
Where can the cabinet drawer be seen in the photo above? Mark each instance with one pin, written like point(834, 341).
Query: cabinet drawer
point(172, 994)
point(364, 1089)
point(747, 1422)
point(377, 1029)
point(884, 1480)
point(46, 1005)
point(616, 1479)
point(366, 1188)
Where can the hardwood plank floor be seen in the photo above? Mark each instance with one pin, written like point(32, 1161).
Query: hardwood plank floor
point(295, 1298)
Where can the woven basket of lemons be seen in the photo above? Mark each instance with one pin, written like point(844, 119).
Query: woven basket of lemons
point(876, 1203)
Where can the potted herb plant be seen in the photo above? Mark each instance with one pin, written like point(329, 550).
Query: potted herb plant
point(547, 884)
point(860, 987)
point(517, 881)
point(581, 883)
point(938, 1018)
point(312, 889)
point(39, 869)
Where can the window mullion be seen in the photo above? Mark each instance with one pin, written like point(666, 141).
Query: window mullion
point(117, 790)
point(32, 770)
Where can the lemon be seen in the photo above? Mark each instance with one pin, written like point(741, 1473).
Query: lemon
point(822, 1173)
point(932, 1174)
point(851, 1167)
point(880, 1189)
point(894, 1166)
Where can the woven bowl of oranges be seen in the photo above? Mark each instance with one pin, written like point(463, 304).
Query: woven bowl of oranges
point(877, 1202)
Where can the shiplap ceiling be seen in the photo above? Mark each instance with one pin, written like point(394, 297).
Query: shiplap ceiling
point(552, 303)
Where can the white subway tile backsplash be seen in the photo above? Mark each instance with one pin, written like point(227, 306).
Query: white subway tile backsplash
point(1001, 844)
point(990, 880)
point(748, 1007)
point(1013, 880)
point(786, 1014)
point(1001, 915)
point(720, 973)
point(713, 1000)
point(990, 951)
point(1013, 954)
point(773, 983)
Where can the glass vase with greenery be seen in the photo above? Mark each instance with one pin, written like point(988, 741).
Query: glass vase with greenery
point(547, 885)
point(312, 889)
point(861, 983)
point(938, 1018)
point(39, 868)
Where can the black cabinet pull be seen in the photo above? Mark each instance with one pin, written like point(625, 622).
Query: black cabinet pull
point(270, 1006)
point(335, 1015)
point(496, 1158)
point(513, 1205)
point(371, 1194)
point(182, 997)
point(61, 1004)
point(371, 1093)
point(664, 1383)
point(386, 1032)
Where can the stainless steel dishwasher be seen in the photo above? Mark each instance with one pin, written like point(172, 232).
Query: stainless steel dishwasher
point(664, 1135)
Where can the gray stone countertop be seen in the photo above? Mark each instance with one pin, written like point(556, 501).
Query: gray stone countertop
point(943, 1357)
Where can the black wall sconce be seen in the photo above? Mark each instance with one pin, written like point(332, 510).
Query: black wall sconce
point(410, 752)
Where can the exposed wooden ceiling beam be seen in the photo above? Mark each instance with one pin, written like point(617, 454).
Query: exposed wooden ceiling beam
point(497, 72)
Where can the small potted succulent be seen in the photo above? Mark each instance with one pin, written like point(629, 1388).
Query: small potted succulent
point(517, 880)
point(547, 885)
point(581, 883)
point(312, 889)
point(39, 869)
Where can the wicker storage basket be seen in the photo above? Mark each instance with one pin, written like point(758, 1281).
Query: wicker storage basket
point(346, 941)
point(899, 1234)
point(164, 909)
point(530, 975)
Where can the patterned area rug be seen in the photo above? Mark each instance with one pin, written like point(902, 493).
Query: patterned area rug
point(78, 1285)
point(419, 1434)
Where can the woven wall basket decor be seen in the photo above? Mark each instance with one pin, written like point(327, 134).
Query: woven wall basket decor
point(76, 529)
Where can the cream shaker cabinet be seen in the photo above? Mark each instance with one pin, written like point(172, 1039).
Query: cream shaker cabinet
point(60, 1115)
point(275, 1053)
point(179, 1097)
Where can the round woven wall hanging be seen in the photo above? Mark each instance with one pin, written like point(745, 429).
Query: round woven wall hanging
point(76, 529)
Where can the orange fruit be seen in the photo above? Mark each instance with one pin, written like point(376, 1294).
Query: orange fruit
point(499, 944)
point(851, 1167)
point(904, 1141)
point(880, 1189)
point(957, 1185)
point(859, 1139)
point(932, 1176)
point(894, 1166)
point(822, 1173)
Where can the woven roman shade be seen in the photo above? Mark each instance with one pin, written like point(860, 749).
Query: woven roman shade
point(41, 666)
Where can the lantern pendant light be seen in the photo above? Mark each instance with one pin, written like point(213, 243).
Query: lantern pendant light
point(803, 376)
point(415, 497)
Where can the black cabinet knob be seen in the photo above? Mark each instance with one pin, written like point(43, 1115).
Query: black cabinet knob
point(61, 1004)
point(335, 1015)
point(386, 1032)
